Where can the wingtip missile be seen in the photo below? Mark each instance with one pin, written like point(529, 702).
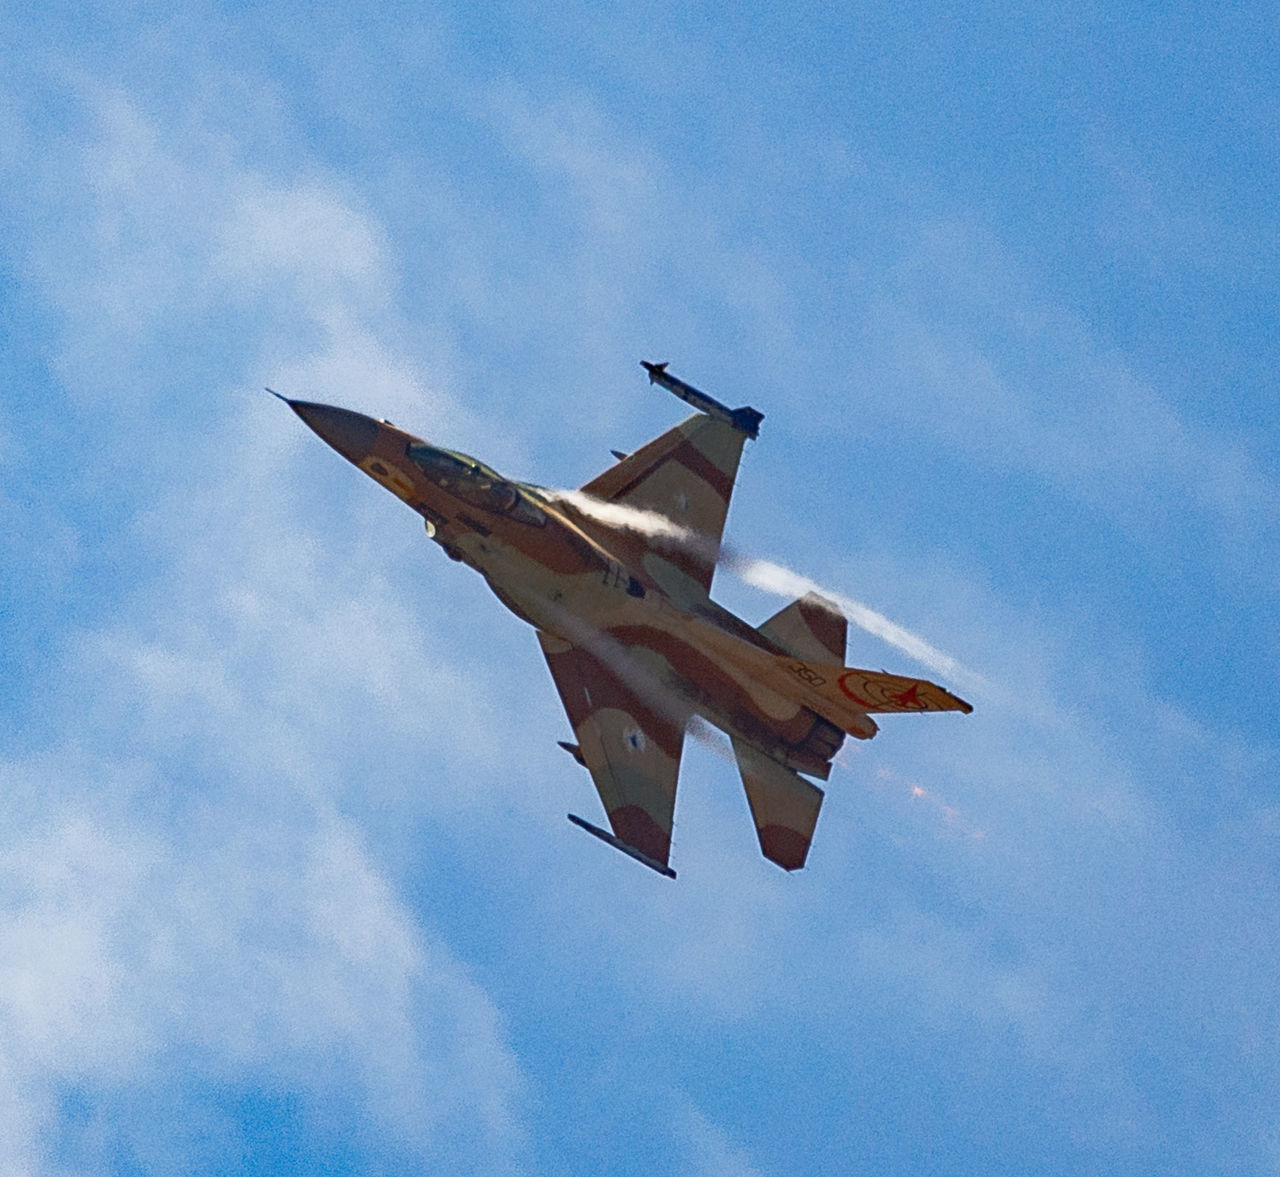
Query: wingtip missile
point(618, 844)
point(746, 418)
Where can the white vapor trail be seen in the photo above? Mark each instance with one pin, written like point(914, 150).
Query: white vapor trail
point(651, 524)
point(774, 578)
point(766, 575)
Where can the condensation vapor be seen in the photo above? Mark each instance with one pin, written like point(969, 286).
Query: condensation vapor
point(643, 681)
point(774, 578)
point(653, 525)
point(766, 575)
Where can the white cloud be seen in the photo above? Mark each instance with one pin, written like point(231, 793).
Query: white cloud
point(708, 1150)
point(263, 943)
point(230, 852)
point(971, 350)
point(307, 240)
point(289, 949)
point(189, 888)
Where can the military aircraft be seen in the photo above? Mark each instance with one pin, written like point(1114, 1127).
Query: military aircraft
point(616, 579)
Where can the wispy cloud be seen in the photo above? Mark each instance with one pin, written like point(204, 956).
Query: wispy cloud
point(709, 1152)
point(973, 350)
point(273, 943)
point(192, 886)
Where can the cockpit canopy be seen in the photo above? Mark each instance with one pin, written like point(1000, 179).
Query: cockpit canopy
point(473, 482)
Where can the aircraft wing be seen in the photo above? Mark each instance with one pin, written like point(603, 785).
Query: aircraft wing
point(686, 475)
point(630, 736)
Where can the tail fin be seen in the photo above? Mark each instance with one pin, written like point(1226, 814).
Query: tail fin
point(784, 806)
point(843, 695)
point(811, 628)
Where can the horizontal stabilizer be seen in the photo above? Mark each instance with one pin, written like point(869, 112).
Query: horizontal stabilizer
point(784, 806)
point(878, 693)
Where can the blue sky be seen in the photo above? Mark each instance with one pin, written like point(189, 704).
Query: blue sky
point(287, 885)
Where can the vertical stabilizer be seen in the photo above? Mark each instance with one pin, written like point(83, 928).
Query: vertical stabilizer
point(810, 627)
point(784, 806)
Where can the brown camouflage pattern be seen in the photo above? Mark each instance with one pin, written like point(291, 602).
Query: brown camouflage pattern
point(686, 475)
point(634, 644)
point(784, 806)
point(810, 627)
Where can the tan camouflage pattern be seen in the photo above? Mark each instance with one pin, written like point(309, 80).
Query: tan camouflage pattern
point(634, 644)
point(686, 475)
point(631, 750)
point(811, 627)
point(784, 806)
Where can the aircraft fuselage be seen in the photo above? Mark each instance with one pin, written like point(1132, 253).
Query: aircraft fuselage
point(591, 586)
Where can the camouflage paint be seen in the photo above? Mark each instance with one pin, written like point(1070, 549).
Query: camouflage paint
point(633, 641)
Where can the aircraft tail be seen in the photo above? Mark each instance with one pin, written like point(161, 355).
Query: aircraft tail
point(810, 627)
point(843, 695)
point(784, 806)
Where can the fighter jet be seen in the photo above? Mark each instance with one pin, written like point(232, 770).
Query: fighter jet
point(616, 579)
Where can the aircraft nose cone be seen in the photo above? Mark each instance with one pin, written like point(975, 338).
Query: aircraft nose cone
point(351, 434)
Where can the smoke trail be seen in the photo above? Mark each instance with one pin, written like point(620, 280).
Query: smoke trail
point(774, 578)
point(766, 575)
point(652, 524)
